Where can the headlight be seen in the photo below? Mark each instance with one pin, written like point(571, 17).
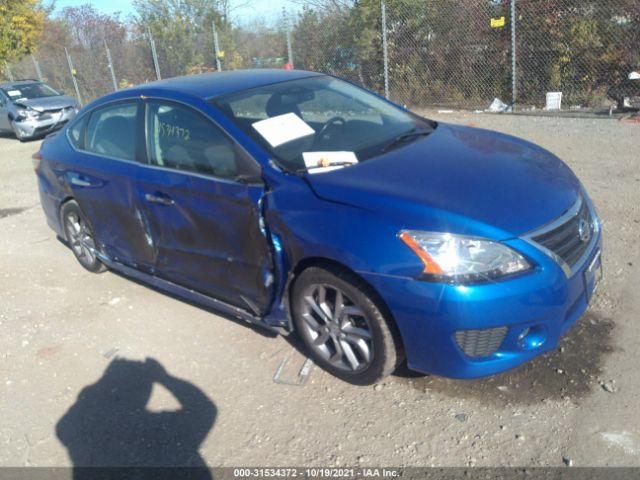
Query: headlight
point(27, 113)
point(454, 258)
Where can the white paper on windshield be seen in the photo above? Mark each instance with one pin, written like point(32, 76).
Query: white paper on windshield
point(14, 93)
point(320, 162)
point(283, 128)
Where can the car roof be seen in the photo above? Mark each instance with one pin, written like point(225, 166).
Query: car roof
point(216, 84)
point(17, 83)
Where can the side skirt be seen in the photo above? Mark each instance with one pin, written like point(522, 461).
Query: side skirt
point(188, 294)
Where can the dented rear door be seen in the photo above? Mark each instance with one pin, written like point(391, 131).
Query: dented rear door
point(101, 176)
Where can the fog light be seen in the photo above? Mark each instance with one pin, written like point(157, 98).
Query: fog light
point(532, 337)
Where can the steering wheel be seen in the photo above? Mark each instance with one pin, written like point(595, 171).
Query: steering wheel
point(329, 123)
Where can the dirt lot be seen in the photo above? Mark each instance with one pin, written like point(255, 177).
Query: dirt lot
point(62, 327)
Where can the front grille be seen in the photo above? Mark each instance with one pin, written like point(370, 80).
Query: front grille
point(49, 128)
point(570, 239)
point(480, 343)
point(47, 114)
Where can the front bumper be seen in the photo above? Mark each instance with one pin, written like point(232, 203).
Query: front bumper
point(544, 300)
point(31, 127)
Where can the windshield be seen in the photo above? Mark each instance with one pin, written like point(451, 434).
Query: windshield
point(28, 91)
point(320, 122)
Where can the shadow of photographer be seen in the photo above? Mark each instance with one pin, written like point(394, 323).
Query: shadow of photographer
point(109, 425)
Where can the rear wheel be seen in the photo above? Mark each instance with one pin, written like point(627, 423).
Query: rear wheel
point(80, 237)
point(342, 326)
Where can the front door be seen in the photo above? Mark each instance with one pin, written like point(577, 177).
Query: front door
point(205, 224)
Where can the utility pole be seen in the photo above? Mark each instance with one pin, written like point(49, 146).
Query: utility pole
point(36, 65)
point(73, 76)
point(113, 73)
point(216, 46)
point(154, 54)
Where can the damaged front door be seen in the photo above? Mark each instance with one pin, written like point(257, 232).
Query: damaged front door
point(205, 222)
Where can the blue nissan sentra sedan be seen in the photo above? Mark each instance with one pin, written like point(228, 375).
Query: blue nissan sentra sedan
point(302, 203)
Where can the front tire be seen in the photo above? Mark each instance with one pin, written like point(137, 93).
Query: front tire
point(343, 327)
point(79, 235)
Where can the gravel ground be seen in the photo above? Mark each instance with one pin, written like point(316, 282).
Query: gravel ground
point(62, 329)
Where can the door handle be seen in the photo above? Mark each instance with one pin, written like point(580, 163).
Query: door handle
point(80, 182)
point(158, 198)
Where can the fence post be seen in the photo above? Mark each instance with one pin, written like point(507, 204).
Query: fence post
point(73, 76)
point(513, 55)
point(154, 54)
point(385, 53)
point(216, 46)
point(7, 70)
point(288, 34)
point(36, 65)
point(113, 72)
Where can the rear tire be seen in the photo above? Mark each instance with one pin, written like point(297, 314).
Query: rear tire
point(79, 235)
point(344, 329)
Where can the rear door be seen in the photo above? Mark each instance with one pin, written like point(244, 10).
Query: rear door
point(205, 224)
point(110, 145)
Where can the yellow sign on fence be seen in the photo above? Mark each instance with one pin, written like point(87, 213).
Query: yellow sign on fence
point(497, 22)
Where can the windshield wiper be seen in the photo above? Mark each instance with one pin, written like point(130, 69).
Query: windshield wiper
point(333, 164)
point(416, 132)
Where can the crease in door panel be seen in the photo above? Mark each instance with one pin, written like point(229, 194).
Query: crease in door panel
point(145, 225)
point(278, 313)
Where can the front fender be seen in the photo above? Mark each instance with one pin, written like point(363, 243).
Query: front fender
point(361, 240)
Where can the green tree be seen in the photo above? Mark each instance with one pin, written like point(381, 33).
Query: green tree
point(20, 25)
point(182, 31)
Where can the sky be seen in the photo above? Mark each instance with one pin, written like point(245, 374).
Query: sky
point(243, 11)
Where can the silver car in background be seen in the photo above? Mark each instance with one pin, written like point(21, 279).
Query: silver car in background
point(32, 109)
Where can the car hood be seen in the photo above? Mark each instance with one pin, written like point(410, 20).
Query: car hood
point(48, 103)
point(458, 179)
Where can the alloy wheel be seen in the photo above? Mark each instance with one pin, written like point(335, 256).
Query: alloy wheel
point(80, 238)
point(339, 330)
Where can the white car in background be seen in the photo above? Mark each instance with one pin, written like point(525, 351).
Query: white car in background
point(32, 109)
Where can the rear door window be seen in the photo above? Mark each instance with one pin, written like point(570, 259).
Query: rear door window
point(111, 131)
point(182, 139)
point(76, 132)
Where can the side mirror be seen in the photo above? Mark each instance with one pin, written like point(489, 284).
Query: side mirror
point(249, 179)
point(249, 171)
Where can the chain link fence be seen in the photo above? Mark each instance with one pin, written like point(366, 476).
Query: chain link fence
point(465, 53)
point(90, 66)
point(446, 53)
point(422, 53)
